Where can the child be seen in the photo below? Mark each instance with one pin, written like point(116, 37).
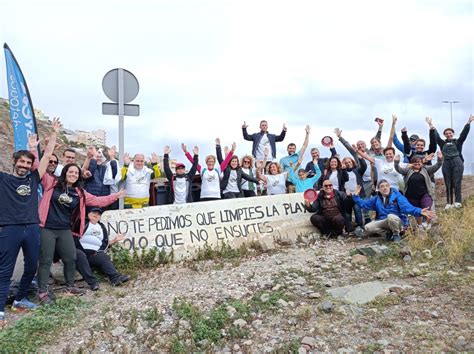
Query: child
point(91, 250)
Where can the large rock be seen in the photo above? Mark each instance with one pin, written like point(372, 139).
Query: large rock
point(364, 292)
point(373, 250)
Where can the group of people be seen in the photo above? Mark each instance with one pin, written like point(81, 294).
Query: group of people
point(62, 221)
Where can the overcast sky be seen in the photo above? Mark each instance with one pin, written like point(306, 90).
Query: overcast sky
point(204, 67)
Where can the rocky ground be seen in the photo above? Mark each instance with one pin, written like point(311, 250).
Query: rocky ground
point(426, 306)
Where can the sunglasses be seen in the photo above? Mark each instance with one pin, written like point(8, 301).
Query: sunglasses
point(247, 161)
point(327, 185)
point(53, 162)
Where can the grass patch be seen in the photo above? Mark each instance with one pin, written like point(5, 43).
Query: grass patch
point(382, 302)
point(131, 262)
point(41, 327)
point(224, 251)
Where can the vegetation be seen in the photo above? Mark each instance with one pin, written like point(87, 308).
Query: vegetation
point(41, 326)
point(131, 262)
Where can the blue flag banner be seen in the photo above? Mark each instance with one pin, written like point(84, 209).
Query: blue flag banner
point(21, 107)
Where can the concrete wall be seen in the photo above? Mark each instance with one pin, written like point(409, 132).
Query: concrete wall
point(186, 228)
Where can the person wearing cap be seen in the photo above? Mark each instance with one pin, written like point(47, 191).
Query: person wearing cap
point(391, 208)
point(263, 140)
point(91, 250)
point(181, 182)
point(453, 166)
point(329, 210)
point(137, 179)
point(414, 146)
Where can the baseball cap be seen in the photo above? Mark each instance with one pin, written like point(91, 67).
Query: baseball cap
point(414, 137)
point(180, 165)
point(96, 210)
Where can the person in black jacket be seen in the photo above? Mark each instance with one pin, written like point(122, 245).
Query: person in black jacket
point(320, 161)
point(329, 209)
point(263, 139)
point(231, 183)
point(453, 166)
point(335, 172)
point(416, 148)
point(181, 183)
point(91, 250)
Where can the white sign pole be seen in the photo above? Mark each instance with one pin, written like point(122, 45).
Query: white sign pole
point(121, 123)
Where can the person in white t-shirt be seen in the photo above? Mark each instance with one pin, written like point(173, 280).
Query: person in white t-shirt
point(274, 178)
point(385, 167)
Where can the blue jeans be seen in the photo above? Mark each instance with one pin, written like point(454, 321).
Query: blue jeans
point(12, 238)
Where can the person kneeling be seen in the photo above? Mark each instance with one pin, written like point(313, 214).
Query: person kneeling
point(329, 210)
point(91, 252)
point(391, 208)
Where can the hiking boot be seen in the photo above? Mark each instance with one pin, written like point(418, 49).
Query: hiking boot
point(23, 305)
point(94, 286)
point(72, 290)
point(124, 278)
point(457, 205)
point(359, 232)
point(388, 236)
point(120, 279)
point(45, 299)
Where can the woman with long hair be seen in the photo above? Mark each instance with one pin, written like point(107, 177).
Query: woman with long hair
point(418, 187)
point(336, 173)
point(62, 213)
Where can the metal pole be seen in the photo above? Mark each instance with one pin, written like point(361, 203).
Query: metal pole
point(451, 107)
point(121, 123)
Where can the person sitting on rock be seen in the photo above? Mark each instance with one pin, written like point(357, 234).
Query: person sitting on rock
point(329, 210)
point(391, 208)
point(91, 250)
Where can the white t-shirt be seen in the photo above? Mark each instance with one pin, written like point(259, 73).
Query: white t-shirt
point(386, 170)
point(210, 183)
point(232, 183)
point(264, 143)
point(58, 170)
point(246, 184)
point(334, 180)
point(351, 184)
point(92, 238)
point(180, 190)
point(276, 184)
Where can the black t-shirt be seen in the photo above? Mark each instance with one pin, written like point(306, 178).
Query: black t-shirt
point(61, 207)
point(416, 186)
point(19, 199)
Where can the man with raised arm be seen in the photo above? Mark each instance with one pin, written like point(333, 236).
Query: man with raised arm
point(137, 179)
point(19, 220)
point(263, 139)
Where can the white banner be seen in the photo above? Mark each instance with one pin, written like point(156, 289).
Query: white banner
point(186, 227)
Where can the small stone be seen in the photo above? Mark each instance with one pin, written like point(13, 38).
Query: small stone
point(314, 295)
point(240, 323)
point(396, 289)
point(118, 331)
point(279, 262)
point(427, 254)
point(382, 274)
point(256, 324)
point(302, 350)
point(264, 297)
point(183, 324)
point(414, 272)
point(359, 259)
point(203, 343)
point(327, 306)
point(282, 303)
point(248, 343)
point(276, 287)
point(407, 259)
point(469, 268)
point(325, 266)
point(450, 272)
point(383, 342)
point(423, 265)
point(300, 281)
point(231, 311)
point(434, 314)
point(236, 347)
point(405, 251)
point(309, 341)
point(328, 283)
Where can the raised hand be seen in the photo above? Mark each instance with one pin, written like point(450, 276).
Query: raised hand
point(56, 125)
point(284, 127)
point(439, 155)
point(126, 158)
point(218, 141)
point(397, 158)
point(471, 118)
point(91, 152)
point(307, 129)
point(379, 121)
point(226, 150)
point(234, 145)
point(338, 132)
point(167, 150)
point(404, 129)
point(154, 157)
point(260, 164)
point(429, 121)
point(429, 157)
point(245, 125)
point(196, 150)
point(183, 147)
point(33, 141)
point(394, 119)
point(86, 174)
point(111, 152)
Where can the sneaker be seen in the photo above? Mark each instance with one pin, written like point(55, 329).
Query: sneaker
point(23, 305)
point(120, 280)
point(45, 299)
point(396, 238)
point(95, 286)
point(124, 278)
point(448, 206)
point(72, 290)
point(359, 232)
point(388, 236)
point(457, 205)
point(3, 320)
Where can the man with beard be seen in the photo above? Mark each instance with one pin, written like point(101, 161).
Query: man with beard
point(19, 220)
